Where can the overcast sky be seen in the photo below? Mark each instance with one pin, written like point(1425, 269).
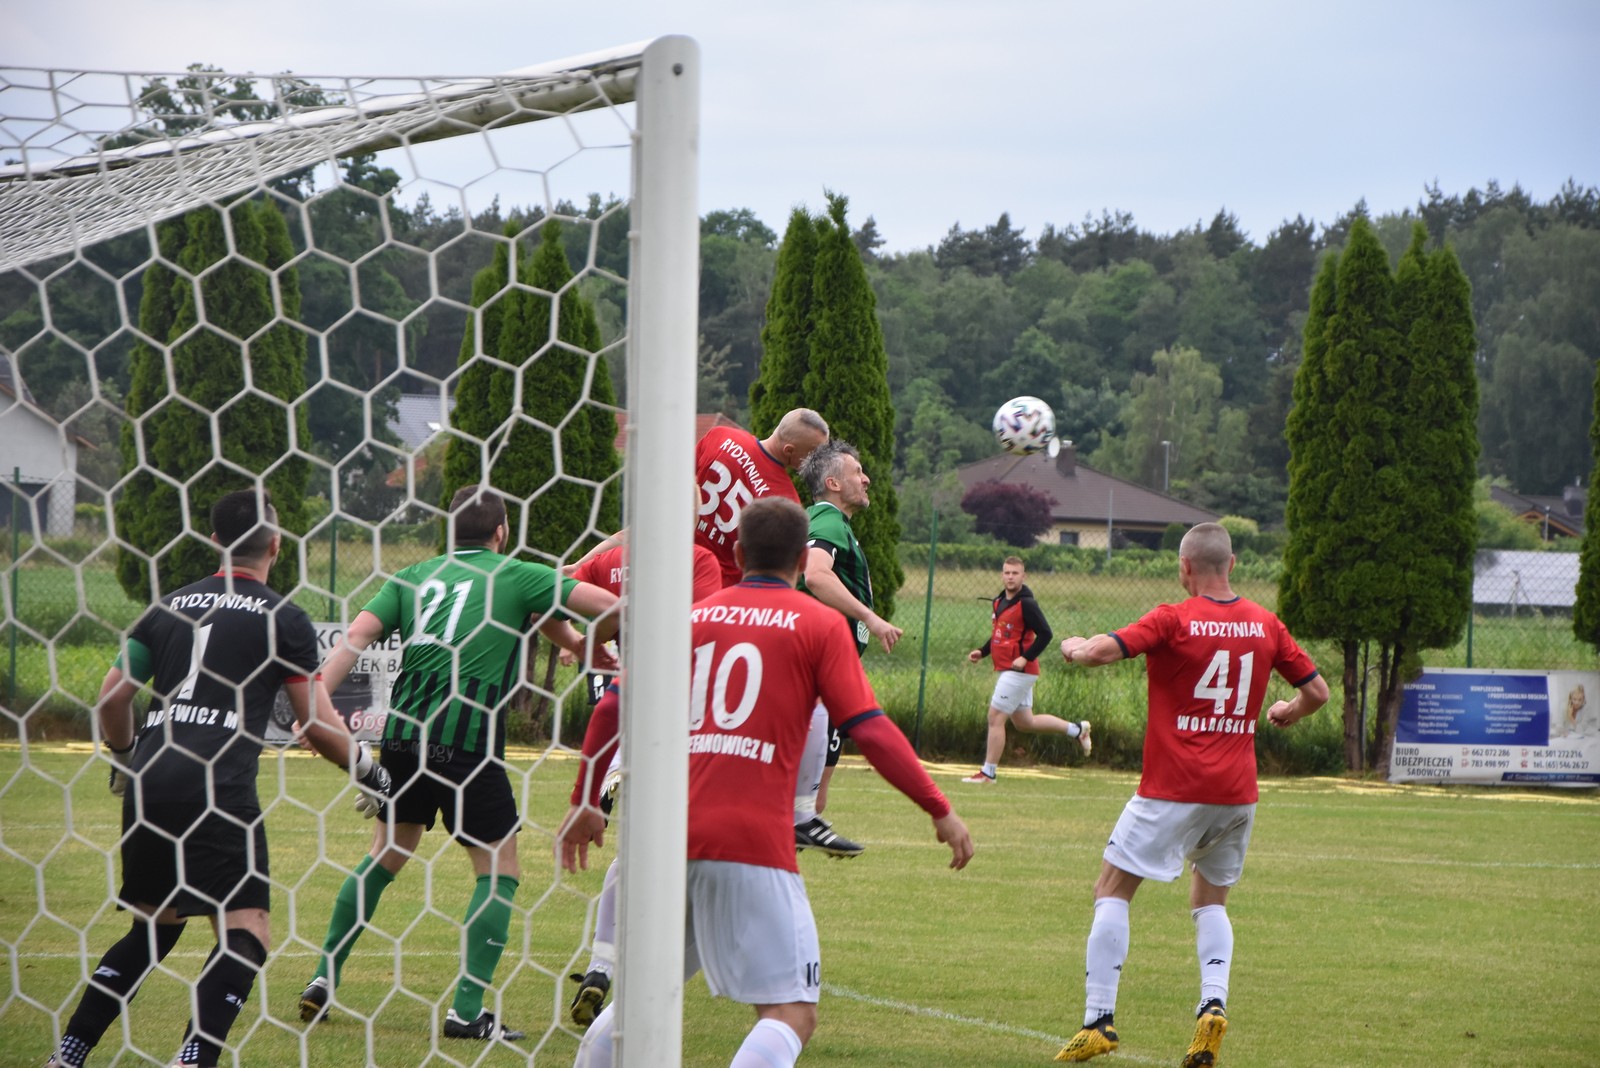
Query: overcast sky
point(933, 112)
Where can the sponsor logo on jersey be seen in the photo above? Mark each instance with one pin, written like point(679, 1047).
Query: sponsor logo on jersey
point(1214, 628)
point(238, 601)
point(745, 616)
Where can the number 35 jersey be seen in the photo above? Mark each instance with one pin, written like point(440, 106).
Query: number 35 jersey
point(1207, 664)
point(732, 469)
point(764, 654)
point(463, 618)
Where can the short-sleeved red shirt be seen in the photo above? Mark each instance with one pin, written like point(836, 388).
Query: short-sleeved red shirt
point(1206, 664)
point(732, 469)
point(609, 570)
point(764, 654)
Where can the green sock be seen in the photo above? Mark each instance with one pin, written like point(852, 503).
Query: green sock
point(365, 886)
point(488, 922)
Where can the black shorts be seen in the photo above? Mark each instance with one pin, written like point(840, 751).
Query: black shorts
point(194, 861)
point(471, 791)
point(835, 745)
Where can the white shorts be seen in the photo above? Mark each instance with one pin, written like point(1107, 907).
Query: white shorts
point(1155, 839)
point(1012, 690)
point(751, 929)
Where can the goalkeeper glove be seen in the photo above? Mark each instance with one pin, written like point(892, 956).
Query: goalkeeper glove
point(119, 777)
point(375, 783)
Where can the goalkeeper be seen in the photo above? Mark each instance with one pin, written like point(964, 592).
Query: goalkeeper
point(215, 654)
point(463, 617)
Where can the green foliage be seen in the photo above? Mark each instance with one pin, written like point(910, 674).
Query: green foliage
point(1497, 528)
point(786, 337)
point(847, 381)
point(560, 446)
point(192, 398)
point(1586, 612)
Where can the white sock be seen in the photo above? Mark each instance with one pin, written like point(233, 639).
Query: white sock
point(1213, 943)
point(1105, 955)
point(1073, 730)
point(808, 780)
point(991, 770)
point(770, 1044)
point(595, 1049)
point(603, 953)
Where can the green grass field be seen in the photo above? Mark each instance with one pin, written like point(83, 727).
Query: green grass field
point(1375, 925)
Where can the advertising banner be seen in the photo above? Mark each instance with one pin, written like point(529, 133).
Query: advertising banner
point(1524, 728)
point(362, 699)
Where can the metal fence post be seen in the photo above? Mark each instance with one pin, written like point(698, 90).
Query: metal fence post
point(16, 581)
point(927, 625)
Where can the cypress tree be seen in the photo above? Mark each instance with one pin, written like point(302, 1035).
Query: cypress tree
point(542, 409)
point(198, 432)
point(1586, 613)
point(786, 335)
point(847, 380)
point(474, 422)
point(1383, 447)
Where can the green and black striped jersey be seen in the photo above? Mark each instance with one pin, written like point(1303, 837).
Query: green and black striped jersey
point(830, 531)
point(464, 619)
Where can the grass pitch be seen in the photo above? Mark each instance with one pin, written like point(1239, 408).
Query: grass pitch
point(1409, 926)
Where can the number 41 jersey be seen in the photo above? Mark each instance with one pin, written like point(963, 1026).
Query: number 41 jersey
point(1207, 664)
point(764, 654)
point(732, 469)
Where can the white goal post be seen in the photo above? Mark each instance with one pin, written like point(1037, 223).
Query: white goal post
point(62, 191)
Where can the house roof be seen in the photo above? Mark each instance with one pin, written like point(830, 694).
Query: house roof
point(1082, 494)
point(1564, 513)
point(419, 416)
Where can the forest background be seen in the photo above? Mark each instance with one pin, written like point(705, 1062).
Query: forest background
point(1076, 315)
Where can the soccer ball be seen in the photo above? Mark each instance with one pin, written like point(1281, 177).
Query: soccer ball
point(1025, 425)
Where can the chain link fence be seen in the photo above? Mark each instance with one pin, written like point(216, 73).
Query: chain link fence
point(61, 595)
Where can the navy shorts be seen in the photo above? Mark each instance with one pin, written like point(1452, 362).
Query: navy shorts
point(194, 860)
point(470, 790)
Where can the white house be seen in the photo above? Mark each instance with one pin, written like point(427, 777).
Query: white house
point(38, 460)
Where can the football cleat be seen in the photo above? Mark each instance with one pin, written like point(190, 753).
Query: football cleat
point(314, 1001)
point(483, 1029)
point(818, 833)
point(1083, 737)
point(1208, 1031)
point(591, 995)
point(1095, 1039)
point(980, 778)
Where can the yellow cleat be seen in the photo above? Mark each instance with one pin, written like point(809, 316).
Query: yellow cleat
point(1095, 1039)
point(1208, 1032)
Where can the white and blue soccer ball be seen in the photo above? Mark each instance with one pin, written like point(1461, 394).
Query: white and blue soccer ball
point(1025, 425)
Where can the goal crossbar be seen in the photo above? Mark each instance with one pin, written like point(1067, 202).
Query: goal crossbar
point(50, 208)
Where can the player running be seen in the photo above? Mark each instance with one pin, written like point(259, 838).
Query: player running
point(750, 925)
point(1018, 634)
point(1207, 664)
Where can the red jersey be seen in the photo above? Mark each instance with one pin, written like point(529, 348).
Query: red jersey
point(732, 469)
point(764, 654)
point(609, 570)
point(1206, 664)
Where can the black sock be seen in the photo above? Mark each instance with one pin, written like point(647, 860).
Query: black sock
point(220, 994)
point(114, 983)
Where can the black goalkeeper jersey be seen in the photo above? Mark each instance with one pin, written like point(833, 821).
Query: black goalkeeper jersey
point(218, 651)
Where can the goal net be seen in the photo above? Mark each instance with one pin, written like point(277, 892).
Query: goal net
point(356, 293)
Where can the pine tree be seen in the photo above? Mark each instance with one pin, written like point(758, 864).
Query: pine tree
point(231, 282)
point(1586, 613)
point(847, 380)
